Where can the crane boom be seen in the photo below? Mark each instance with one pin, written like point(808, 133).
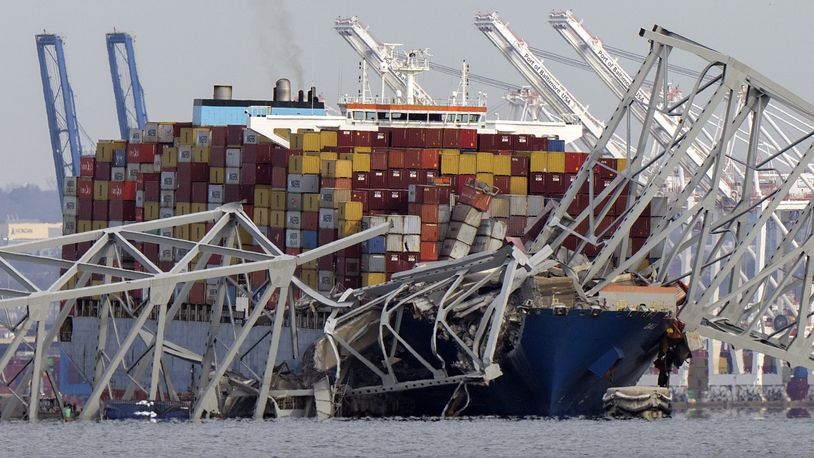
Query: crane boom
point(517, 52)
point(66, 144)
point(379, 56)
point(129, 94)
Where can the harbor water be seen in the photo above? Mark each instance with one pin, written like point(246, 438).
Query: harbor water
point(719, 433)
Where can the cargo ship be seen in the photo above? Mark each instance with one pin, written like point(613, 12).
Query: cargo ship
point(451, 183)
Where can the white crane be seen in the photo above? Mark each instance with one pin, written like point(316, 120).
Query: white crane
point(396, 72)
point(544, 82)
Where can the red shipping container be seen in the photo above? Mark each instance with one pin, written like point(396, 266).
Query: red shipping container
point(475, 198)
point(537, 183)
point(449, 138)
point(263, 153)
point(429, 251)
point(146, 153)
point(377, 179)
point(521, 142)
point(217, 156)
point(399, 137)
point(607, 169)
point(360, 180)
point(200, 193)
point(573, 161)
point(84, 187)
point(362, 138)
point(142, 177)
point(339, 183)
point(539, 143)
point(395, 159)
point(197, 294)
point(380, 139)
point(429, 159)
point(376, 200)
point(433, 138)
point(219, 134)
point(327, 236)
point(248, 174)
point(429, 232)
point(234, 134)
point(556, 184)
point(516, 226)
point(85, 208)
point(231, 193)
point(396, 200)
point(427, 176)
point(262, 174)
point(392, 262)
point(503, 141)
point(502, 183)
point(409, 260)
point(122, 210)
point(279, 156)
point(468, 139)
point(344, 138)
point(396, 179)
point(152, 191)
point(87, 166)
point(100, 212)
point(184, 192)
point(249, 156)
point(414, 177)
point(416, 137)
point(486, 142)
point(431, 195)
point(277, 236)
point(429, 213)
point(133, 152)
point(378, 160)
point(460, 182)
point(641, 227)
point(520, 166)
point(279, 178)
point(354, 251)
point(350, 282)
point(584, 189)
point(412, 159)
point(247, 194)
point(102, 171)
point(193, 171)
point(360, 195)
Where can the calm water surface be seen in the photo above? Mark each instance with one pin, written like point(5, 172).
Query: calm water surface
point(712, 433)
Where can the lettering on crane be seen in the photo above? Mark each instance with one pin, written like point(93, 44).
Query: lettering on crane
point(542, 73)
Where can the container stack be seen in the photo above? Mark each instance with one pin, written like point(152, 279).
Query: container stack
point(445, 192)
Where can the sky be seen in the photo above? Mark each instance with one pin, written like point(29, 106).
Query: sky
point(183, 48)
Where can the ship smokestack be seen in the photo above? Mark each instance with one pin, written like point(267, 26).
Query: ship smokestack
point(300, 96)
point(282, 90)
point(222, 92)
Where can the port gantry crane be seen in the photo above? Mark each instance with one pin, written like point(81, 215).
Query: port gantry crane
point(727, 298)
point(129, 94)
point(398, 73)
point(556, 95)
point(63, 127)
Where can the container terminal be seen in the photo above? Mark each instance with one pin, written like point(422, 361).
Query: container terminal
point(413, 257)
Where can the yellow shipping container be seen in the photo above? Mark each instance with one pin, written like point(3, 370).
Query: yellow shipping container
point(197, 231)
point(310, 278)
point(311, 141)
point(556, 162)
point(284, 133)
point(202, 136)
point(169, 157)
point(310, 265)
point(519, 186)
point(361, 162)
point(200, 154)
point(347, 227)
point(197, 207)
point(351, 211)
point(339, 197)
point(260, 216)
point(310, 164)
point(373, 278)
point(217, 175)
point(310, 202)
point(295, 164)
point(449, 164)
point(276, 219)
point(502, 165)
point(485, 163)
point(295, 140)
point(277, 200)
point(621, 165)
point(104, 151)
point(538, 161)
point(344, 169)
point(100, 190)
point(487, 178)
point(327, 138)
point(187, 136)
point(328, 155)
point(245, 237)
point(181, 232)
point(151, 211)
point(98, 225)
point(346, 156)
point(84, 225)
point(467, 164)
point(363, 149)
point(262, 196)
point(182, 208)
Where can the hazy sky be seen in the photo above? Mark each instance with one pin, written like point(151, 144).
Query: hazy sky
point(185, 47)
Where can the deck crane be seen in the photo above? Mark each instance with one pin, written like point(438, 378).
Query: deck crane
point(727, 298)
point(547, 85)
point(130, 107)
point(66, 143)
point(382, 57)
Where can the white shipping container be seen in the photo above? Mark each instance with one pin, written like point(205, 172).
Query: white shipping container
point(168, 181)
point(500, 207)
point(535, 205)
point(132, 172)
point(325, 280)
point(140, 198)
point(373, 221)
point(147, 168)
point(233, 157)
point(180, 253)
point(444, 213)
point(293, 220)
point(412, 225)
point(518, 205)
point(135, 135)
point(166, 213)
point(294, 182)
point(165, 253)
point(150, 134)
point(203, 137)
point(310, 184)
point(373, 263)
point(213, 205)
point(462, 231)
point(293, 238)
point(250, 137)
point(68, 225)
point(466, 214)
point(215, 193)
point(454, 249)
point(165, 232)
point(499, 229)
point(396, 224)
point(293, 201)
point(157, 162)
point(115, 223)
point(327, 218)
point(184, 153)
point(165, 133)
point(394, 243)
point(412, 243)
point(443, 229)
point(70, 205)
point(167, 199)
point(412, 192)
point(69, 186)
point(658, 206)
point(232, 175)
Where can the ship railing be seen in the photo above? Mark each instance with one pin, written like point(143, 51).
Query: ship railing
point(476, 102)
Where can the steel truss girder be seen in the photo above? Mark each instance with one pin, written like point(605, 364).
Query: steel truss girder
point(729, 298)
point(105, 257)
